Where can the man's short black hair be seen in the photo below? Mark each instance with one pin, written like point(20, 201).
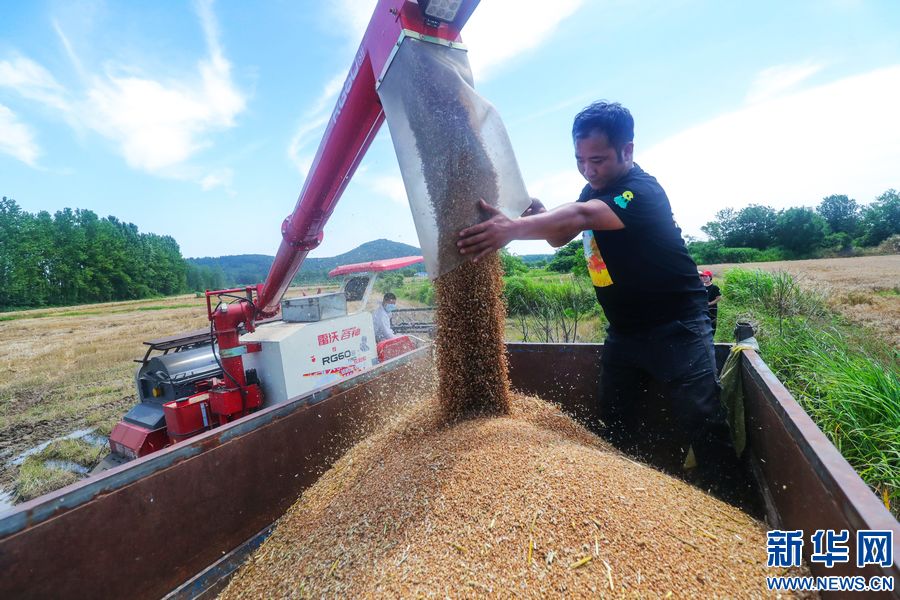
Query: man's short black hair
point(389, 296)
point(609, 118)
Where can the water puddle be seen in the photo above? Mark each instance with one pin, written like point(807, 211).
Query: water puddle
point(67, 465)
point(87, 435)
point(6, 502)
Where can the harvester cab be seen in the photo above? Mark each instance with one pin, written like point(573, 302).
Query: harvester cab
point(358, 279)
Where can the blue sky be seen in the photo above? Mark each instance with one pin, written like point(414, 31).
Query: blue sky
point(199, 119)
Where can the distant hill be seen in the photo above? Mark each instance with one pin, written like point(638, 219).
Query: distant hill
point(244, 269)
point(530, 259)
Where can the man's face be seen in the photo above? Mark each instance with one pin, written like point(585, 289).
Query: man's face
point(706, 279)
point(598, 161)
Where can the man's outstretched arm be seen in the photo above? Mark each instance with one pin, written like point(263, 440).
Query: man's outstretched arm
point(557, 227)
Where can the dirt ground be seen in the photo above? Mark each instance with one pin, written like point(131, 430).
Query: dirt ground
point(71, 368)
point(864, 289)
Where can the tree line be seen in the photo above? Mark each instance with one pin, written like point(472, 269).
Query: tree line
point(838, 225)
point(75, 257)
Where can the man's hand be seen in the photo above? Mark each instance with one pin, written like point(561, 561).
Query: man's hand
point(486, 237)
point(536, 208)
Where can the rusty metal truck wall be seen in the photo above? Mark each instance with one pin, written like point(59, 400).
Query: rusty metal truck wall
point(806, 482)
point(140, 530)
point(144, 528)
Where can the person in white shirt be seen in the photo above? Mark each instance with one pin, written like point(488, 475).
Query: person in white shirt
point(382, 318)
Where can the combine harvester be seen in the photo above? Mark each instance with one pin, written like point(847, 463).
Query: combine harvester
point(316, 342)
point(252, 434)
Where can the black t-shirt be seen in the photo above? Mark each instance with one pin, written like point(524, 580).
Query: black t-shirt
point(712, 292)
point(642, 274)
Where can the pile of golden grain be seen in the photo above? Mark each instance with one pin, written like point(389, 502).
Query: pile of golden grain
point(529, 504)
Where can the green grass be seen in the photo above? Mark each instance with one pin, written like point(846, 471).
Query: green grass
point(164, 307)
point(74, 450)
point(888, 293)
point(846, 379)
point(85, 313)
point(36, 477)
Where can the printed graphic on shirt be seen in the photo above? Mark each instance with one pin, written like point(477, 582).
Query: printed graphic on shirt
point(623, 200)
point(596, 267)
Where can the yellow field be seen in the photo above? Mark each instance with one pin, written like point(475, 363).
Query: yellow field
point(71, 368)
point(865, 289)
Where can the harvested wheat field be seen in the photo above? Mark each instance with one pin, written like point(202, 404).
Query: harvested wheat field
point(529, 504)
point(72, 368)
point(864, 289)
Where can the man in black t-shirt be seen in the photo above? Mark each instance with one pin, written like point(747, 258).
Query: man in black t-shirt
point(713, 295)
point(643, 276)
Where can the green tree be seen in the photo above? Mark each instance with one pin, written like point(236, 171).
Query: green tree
point(705, 253)
point(756, 227)
point(11, 217)
point(801, 230)
point(75, 257)
point(201, 277)
point(841, 213)
point(390, 281)
point(567, 257)
point(723, 228)
point(512, 264)
point(881, 219)
point(751, 227)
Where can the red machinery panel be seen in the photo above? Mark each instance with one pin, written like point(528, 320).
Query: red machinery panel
point(394, 347)
point(135, 441)
point(187, 417)
point(230, 403)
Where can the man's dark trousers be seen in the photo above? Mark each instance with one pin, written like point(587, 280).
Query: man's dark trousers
point(680, 356)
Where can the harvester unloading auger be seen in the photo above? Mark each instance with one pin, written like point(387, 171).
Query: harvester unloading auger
point(411, 69)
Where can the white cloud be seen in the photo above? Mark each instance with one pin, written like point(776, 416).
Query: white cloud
point(839, 138)
point(305, 140)
point(221, 178)
point(159, 123)
point(32, 81)
point(557, 189)
point(498, 30)
point(389, 186)
point(17, 139)
point(553, 190)
point(353, 16)
point(773, 81)
point(501, 30)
